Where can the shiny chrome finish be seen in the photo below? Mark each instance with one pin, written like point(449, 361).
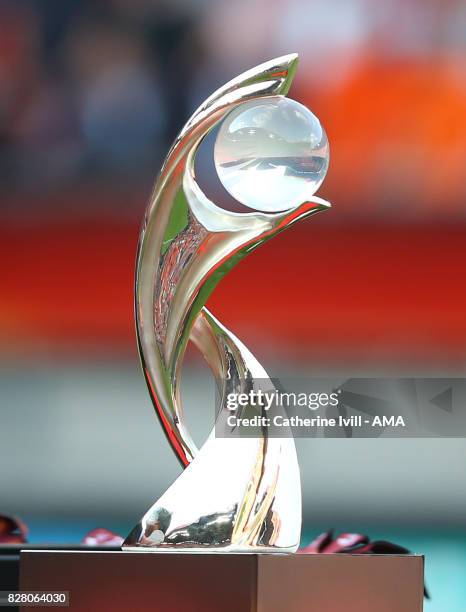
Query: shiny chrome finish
point(242, 495)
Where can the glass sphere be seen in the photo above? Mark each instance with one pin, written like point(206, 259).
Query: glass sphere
point(271, 154)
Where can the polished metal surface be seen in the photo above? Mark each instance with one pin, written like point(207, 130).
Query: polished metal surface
point(242, 495)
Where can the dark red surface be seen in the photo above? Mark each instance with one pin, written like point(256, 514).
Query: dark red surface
point(177, 582)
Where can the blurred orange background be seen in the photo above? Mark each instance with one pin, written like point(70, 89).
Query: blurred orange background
point(92, 94)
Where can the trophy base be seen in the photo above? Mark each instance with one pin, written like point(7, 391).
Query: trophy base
point(225, 550)
point(123, 580)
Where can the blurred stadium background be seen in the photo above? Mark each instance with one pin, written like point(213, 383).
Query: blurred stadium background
point(91, 95)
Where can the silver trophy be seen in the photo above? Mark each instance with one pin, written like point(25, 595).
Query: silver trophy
point(271, 154)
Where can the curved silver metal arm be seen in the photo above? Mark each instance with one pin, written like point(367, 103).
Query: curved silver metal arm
point(235, 492)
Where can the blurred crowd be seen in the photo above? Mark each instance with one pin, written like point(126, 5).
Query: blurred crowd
point(96, 90)
point(88, 88)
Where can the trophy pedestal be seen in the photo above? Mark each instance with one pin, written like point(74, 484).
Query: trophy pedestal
point(204, 582)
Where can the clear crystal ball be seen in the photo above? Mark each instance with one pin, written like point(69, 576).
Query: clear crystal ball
point(271, 154)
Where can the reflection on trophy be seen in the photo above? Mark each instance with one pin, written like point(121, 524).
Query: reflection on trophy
point(271, 154)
